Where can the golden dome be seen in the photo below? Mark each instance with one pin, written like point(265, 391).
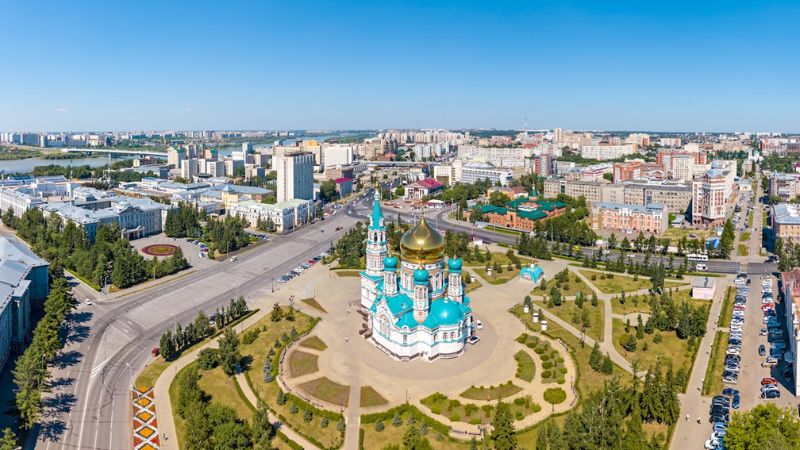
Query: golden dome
point(422, 243)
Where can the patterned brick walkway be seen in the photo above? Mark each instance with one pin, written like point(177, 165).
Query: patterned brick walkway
point(145, 426)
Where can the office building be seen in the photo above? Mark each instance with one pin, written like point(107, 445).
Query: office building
point(629, 218)
point(295, 172)
point(286, 215)
point(472, 172)
point(603, 152)
point(627, 171)
point(24, 285)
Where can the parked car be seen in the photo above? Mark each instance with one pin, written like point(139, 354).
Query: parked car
point(768, 380)
point(735, 402)
point(762, 350)
point(773, 393)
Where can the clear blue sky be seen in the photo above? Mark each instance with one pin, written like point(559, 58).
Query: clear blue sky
point(699, 65)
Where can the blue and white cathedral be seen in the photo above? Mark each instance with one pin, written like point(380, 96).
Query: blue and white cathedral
point(415, 307)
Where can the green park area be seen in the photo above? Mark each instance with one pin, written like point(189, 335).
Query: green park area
point(457, 411)
point(614, 283)
point(498, 277)
point(587, 379)
point(581, 314)
point(387, 428)
point(302, 363)
point(567, 283)
point(500, 392)
point(268, 345)
point(526, 368)
point(640, 303)
point(313, 342)
point(327, 390)
point(370, 397)
point(554, 369)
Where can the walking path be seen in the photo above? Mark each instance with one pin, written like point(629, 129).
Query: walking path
point(688, 434)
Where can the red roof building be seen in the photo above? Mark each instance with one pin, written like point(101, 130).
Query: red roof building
point(423, 188)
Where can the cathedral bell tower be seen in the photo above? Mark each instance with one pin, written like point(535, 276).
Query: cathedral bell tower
point(377, 246)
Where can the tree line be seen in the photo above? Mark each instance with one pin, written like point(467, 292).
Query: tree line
point(173, 342)
point(223, 235)
point(108, 258)
point(31, 372)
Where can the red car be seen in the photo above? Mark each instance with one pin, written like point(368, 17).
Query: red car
point(155, 351)
point(768, 380)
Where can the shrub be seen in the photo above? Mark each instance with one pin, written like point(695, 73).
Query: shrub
point(519, 415)
point(379, 426)
point(555, 396)
point(455, 418)
point(397, 420)
point(547, 365)
point(540, 349)
point(323, 423)
point(561, 380)
point(293, 408)
point(546, 374)
point(545, 357)
point(308, 416)
point(519, 401)
point(536, 407)
point(208, 358)
point(562, 369)
point(657, 338)
point(436, 410)
point(475, 421)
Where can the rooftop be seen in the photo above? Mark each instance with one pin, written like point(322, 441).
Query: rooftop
point(704, 282)
point(648, 209)
point(786, 214)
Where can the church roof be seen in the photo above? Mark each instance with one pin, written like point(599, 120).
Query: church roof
point(445, 312)
point(377, 214)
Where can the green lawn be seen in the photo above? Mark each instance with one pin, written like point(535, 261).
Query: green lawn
point(745, 236)
point(268, 392)
point(526, 369)
point(391, 434)
point(500, 258)
point(223, 390)
point(327, 390)
point(554, 369)
point(347, 273)
point(313, 342)
point(470, 286)
point(492, 392)
point(302, 363)
point(712, 383)
point(498, 278)
point(616, 282)
point(570, 313)
point(669, 349)
point(641, 303)
point(312, 302)
point(371, 397)
point(151, 372)
point(724, 319)
point(589, 379)
point(456, 411)
point(568, 289)
point(742, 250)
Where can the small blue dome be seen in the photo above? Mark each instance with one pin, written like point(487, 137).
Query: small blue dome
point(421, 276)
point(446, 312)
point(454, 264)
point(390, 262)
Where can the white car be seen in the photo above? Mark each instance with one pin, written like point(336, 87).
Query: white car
point(479, 325)
point(87, 301)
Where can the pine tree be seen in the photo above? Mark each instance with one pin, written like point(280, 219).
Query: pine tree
point(503, 436)
point(9, 440)
point(594, 299)
point(595, 358)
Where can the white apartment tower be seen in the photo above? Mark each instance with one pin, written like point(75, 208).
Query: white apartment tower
point(295, 176)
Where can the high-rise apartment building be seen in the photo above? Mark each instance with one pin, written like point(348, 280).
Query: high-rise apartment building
point(709, 199)
point(295, 175)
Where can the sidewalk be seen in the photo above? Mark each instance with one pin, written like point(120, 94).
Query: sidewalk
point(688, 434)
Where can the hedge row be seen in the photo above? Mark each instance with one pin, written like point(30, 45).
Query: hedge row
point(406, 408)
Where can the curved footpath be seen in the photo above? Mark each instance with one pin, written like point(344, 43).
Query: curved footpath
point(166, 423)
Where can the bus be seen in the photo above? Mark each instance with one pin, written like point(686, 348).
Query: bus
point(697, 257)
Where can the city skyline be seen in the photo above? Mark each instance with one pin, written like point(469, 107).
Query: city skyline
point(675, 66)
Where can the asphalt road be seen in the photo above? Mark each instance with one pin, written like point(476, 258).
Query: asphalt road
point(111, 341)
point(437, 219)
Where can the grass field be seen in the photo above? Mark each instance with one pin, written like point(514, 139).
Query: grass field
point(570, 313)
point(724, 319)
point(568, 289)
point(456, 411)
point(302, 363)
point(151, 372)
point(314, 343)
point(268, 392)
point(589, 379)
point(492, 392)
point(712, 383)
point(498, 278)
point(745, 236)
point(312, 302)
point(371, 397)
point(671, 348)
point(347, 273)
point(526, 368)
point(391, 434)
point(616, 283)
point(327, 390)
point(742, 250)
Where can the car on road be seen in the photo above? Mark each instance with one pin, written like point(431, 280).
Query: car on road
point(762, 350)
point(479, 325)
point(87, 301)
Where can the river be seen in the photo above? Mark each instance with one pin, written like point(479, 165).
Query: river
point(27, 165)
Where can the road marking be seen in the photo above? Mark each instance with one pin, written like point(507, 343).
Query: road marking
point(98, 367)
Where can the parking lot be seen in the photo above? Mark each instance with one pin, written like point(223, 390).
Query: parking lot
point(753, 369)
